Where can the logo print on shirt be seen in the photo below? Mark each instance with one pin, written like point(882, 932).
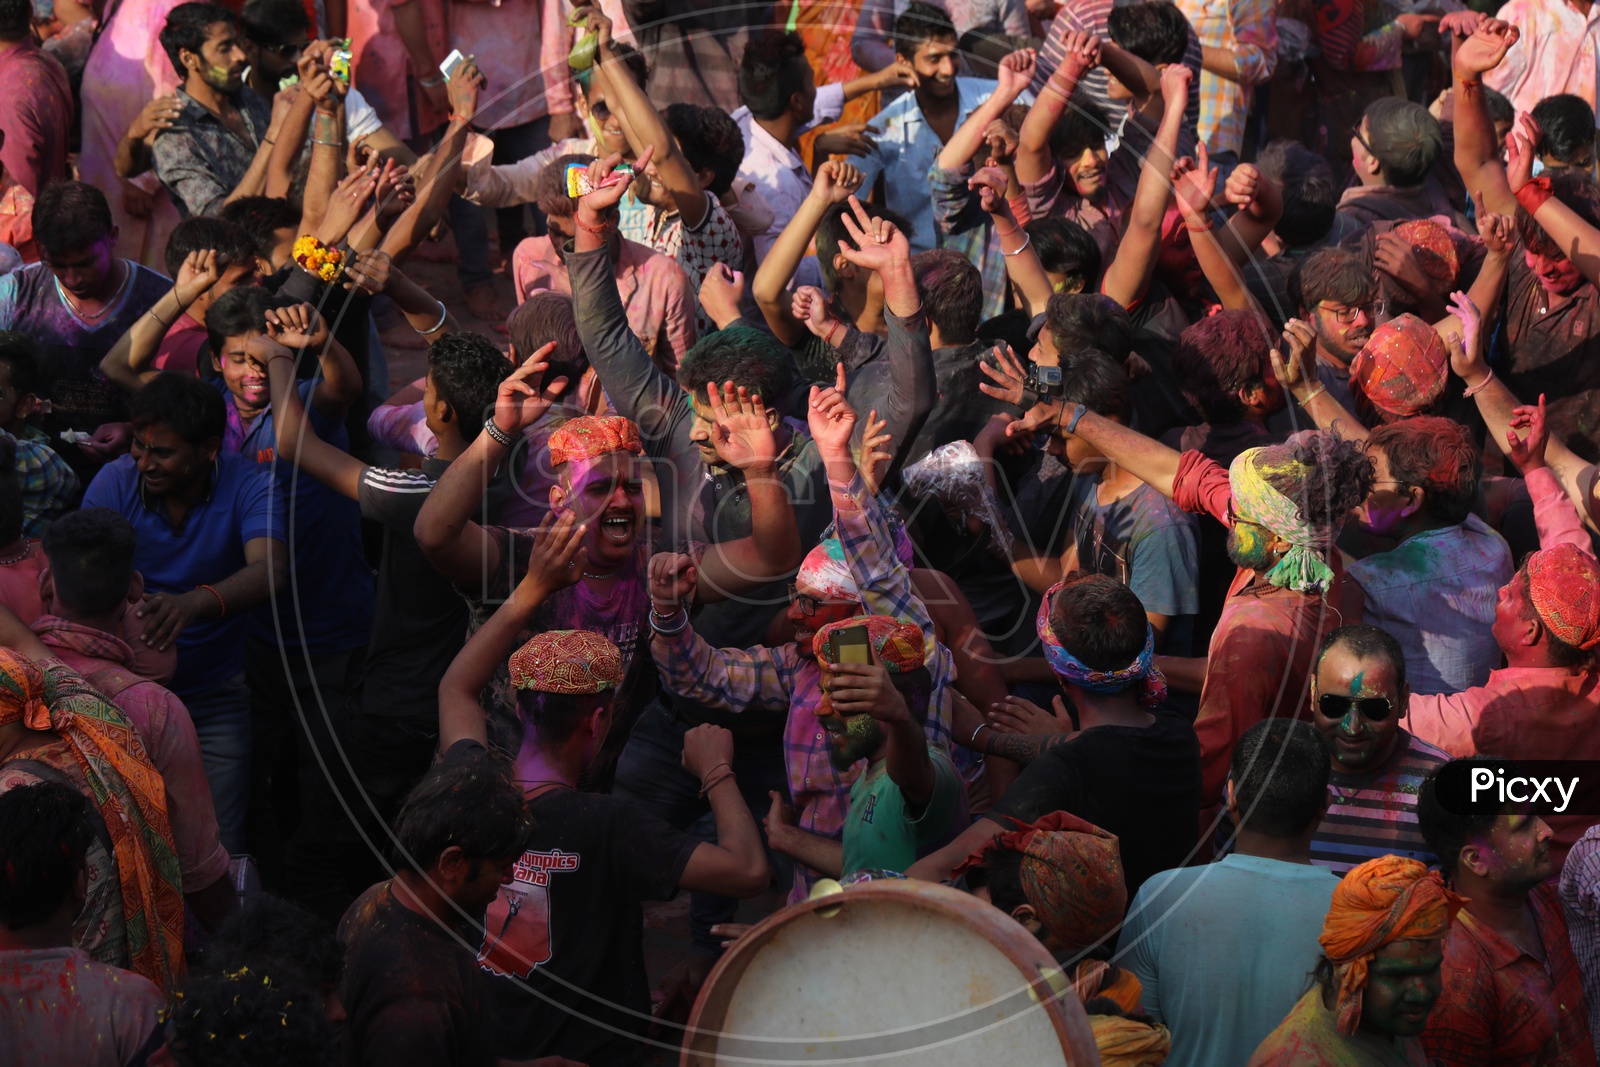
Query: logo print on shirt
point(516, 936)
point(866, 812)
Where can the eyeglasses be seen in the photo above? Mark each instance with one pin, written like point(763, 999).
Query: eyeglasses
point(287, 50)
point(1234, 518)
point(1355, 131)
point(1344, 316)
point(1373, 709)
point(808, 604)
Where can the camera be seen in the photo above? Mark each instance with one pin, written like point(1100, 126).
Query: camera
point(1042, 382)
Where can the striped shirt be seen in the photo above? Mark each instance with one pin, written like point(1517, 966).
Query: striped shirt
point(1372, 815)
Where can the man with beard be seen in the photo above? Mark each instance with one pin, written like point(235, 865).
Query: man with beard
point(1337, 295)
point(908, 795)
point(1513, 992)
point(218, 145)
point(564, 940)
point(1283, 506)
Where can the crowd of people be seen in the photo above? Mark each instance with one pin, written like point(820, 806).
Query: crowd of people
point(1128, 461)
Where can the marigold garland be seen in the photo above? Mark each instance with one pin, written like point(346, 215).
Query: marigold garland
point(318, 258)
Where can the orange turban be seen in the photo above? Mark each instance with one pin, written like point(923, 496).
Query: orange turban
point(1435, 251)
point(22, 693)
point(897, 645)
point(593, 435)
point(1404, 366)
point(1071, 873)
point(571, 662)
point(1564, 585)
point(1382, 901)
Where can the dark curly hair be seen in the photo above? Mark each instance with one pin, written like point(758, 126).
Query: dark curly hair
point(1324, 474)
point(710, 140)
point(1099, 620)
point(44, 836)
point(744, 356)
point(1221, 356)
point(1098, 382)
point(262, 1015)
point(268, 928)
point(772, 70)
point(467, 370)
point(1436, 455)
point(1065, 248)
point(1089, 320)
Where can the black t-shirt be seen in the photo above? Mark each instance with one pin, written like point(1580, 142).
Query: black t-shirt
point(566, 937)
point(420, 621)
point(411, 989)
point(1140, 783)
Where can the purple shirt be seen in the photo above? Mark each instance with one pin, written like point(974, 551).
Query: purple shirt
point(36, 115)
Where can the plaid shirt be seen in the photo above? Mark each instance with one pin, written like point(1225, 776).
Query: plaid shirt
point(200, 160)
point(735, 679)
point(1501, 1006)
point(1248, 29)
point(963, 226)
point(1580, 899)
point(49, 485)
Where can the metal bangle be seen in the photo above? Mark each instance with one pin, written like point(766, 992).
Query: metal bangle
point(673, 631)
point(496, 434)
point(974, 736)
point(1027, 239)
point(443, 314)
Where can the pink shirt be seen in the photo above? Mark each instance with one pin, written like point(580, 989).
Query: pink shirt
point(1555, 54)
point(521, 46)
point(183, 347)
point(382, 70)
point(655, 291)
point(59, 1006)
point(168, 735)
point(126, 70)
point(36, 115)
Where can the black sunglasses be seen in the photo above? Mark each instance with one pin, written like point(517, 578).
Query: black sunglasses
point(1373, 709)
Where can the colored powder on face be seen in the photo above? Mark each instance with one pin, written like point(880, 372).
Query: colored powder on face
point(1355, 683)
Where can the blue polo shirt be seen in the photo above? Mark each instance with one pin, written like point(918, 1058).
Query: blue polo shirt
point(206, 548)
point(326, 604)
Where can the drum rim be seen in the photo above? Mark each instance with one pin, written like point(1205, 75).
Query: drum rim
point(1022, 949)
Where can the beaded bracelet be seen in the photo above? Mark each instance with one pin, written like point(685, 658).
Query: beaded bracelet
point(223, 604)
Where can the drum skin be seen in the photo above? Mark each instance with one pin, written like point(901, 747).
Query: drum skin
point(888, 973)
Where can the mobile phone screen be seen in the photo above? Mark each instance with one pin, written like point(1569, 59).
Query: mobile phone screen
point(850, 645)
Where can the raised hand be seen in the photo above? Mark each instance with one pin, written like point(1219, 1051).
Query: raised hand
point(831, 418)
point(673, 579)
point(1462, 23)
point(521, 401)
point(850, 139)
point(1394, 256)
point(368, 271)
point(1295, 366)
point(462, 89)
point(875, 454)
point(297, 326)
point(157, 115)
point(835, 182)
point(1016, 73)
point(1002, 142)
point(1194, 182)
point(898, 74)
point(740, 430)
point(705, 747)
point(607, 183)
point(1483, 51)
point(1007, 374)
point(1528, 452)
point(557, 557)
point(1498, 232)
point(200, 271)
point(1471, 319)
point(1175, 79)
point(990, 182)
point(721, 290)
point(866, 689)
point(878, 242)
point(1082, 55)
point(1522, 142)
point(1242, 186)
point(347, 204)
point(396, 191)
point(810, 306)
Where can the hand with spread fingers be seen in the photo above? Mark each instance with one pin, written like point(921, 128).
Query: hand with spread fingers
point(524, 397)
point(556, 559)
point(740, 429)
point(1013, 715)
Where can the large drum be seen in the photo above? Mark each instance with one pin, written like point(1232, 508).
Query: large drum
point(888, 973)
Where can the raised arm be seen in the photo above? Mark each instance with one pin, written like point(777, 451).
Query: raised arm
point(374, 272)
point(736, 865)
point(128, 362)
point(1033, 140)
point(1146, 458)
point(1477, 149)
point(436, 175)
point(865, 689)
point(455, 545)
point(1128, 274)
point(1022, 262)
point(644, 127)
point(297, 441)
point(1260, 204)
point(1194, 183)
point(742, 435)
point(1297, 372)
point(300, 326)
point(1015, 74)
point(557, 543)
point(834, 183)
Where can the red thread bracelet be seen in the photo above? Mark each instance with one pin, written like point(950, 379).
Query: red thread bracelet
point(604, 227)
point(222, 603)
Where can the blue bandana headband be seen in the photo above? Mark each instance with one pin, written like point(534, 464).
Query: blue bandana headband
point(1142, 671)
